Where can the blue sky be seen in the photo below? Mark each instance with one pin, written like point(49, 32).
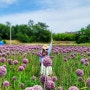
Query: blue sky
point(60, 15)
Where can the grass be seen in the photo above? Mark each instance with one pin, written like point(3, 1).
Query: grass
point(60, 43)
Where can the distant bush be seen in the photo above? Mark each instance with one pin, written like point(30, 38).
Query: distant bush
point(64, 37)
point(82, 39)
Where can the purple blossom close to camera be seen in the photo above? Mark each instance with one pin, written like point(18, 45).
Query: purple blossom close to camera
point(37, 87)
point(49, 85)
point(3, 71)
point(6, 83)
point(25, 61)
point(73, 88)
point(29, 88)
point(88, 82)
point(60, 88)
point(42, 78)
point(79, 72)
point(47, 61)
point(20, 68)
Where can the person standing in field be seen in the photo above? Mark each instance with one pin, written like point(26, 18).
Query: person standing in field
point(45, 51)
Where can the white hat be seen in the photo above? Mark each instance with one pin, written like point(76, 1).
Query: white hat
point(45, 46)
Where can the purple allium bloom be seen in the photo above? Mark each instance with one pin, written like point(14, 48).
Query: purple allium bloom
point(82, 61)
point(88, 81)
point(14, 78)
point(25, 55)
point(5, 83)
point(25, 61)
point(24, 65)
point(15, 62)
point(49, 85)
point(54, 78)
point(29, 88)
point(42, 78)
point(2, 60)
point(37, 87)
point(80, 79)
point(3, 71)
point(88, 53)
point(3, 54)
point(47, 61)
point(73, 88)
point(22, 85)
point(4, 65)
point(10, 61)
point(60, 88)
point(79, 72)
point(86, 63)
point(20, 68)
point(33, 78)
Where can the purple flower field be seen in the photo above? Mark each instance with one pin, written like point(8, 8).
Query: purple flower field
point(20, 68)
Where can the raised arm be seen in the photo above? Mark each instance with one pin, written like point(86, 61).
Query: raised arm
point(50, 48)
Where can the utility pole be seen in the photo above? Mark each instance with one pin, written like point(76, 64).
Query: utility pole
point(10, 35)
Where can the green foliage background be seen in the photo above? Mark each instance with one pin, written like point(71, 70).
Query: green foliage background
point(39, 32)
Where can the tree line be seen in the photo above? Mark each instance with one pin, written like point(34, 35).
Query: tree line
point(39, 32)
point(30, 32)
point(80, 36)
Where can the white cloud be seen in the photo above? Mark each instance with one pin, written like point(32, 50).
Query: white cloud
point(5, 3)
point(58, 20)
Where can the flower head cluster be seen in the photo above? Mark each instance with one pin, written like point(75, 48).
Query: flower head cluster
point(88, 81)
point(49, 85)
point(20, 68)
point(24, 65)
point(73, 88)
point(10, 62)
point(35, 87)
point(33, 78)
point(80, 79)
point(60, 88)
point(3, 71)
point(29, 88)
point(25, 61)
point(85, 61)
point(14, 78)
point(2, 60)
point(15, 62)
point(5, 83)
point(79, 72)
point(22, 85)
point(47, 61)
point(88, 53)
point(42, 78)
point(54, 78)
